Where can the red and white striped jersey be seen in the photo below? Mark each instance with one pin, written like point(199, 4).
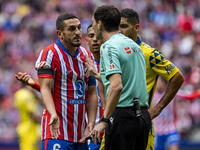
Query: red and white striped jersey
point(69, 89)
point(164, 123)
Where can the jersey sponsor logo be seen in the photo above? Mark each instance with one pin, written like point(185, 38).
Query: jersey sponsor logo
point(80, 88)
point(127, 49)
point(77, 101)
point(103, 63)
point(112, 66)
point(170, 68)
point(101, 52)
point(136, 49)
point(110, 55)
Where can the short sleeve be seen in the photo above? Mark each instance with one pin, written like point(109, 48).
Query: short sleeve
point(162, 66)
point(110, 58)
point(91, 81)
point(45, 64)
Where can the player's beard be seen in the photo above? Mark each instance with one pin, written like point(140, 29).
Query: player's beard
point(72, 41)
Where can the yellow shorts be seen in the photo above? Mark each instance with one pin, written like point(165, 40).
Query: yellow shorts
point(150, 145)
point(102, 147)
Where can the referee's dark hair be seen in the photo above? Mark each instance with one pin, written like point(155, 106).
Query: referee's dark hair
point(109, 16)
point(61, 18)
point(131, 15)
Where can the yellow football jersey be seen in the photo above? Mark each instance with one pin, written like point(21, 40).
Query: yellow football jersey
point(27, 129)
point(156, 65)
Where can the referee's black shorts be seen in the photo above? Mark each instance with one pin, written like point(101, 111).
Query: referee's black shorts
point(126, 131)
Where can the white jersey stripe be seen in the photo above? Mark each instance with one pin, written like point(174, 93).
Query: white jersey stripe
point(82, 75)
point(42, 127)
point(74, 78)
point(63, 92)
point(49, 57)
point(45, 132)
point(39, 59)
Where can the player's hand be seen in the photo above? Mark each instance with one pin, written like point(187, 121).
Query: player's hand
point(154, 112)
point(54, 126)
point(95, 133)
point(92, 70)
point(87, 132)
point(90, 66)
point(25, 79)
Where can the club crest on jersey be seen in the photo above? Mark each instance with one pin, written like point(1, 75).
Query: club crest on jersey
point(80, 88)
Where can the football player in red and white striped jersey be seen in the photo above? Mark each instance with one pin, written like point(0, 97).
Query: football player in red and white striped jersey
point(67, 89)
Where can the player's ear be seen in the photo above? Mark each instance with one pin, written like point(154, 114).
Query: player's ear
point(59, 33)
point(137, 26)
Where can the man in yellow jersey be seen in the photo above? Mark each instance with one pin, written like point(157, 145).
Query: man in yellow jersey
point(28, 128)
point(156, 65)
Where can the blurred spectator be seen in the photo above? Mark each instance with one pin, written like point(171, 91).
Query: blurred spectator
point(28, 128)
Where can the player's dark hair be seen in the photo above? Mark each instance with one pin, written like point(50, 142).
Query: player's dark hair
point(89, 26)
point(109, 16)
point(61, 18)
point(131, 15)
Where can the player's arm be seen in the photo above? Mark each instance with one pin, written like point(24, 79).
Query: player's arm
point(114, 94)
point(92, 104)
point(172, 88)
point(26, 79)
point(102, 94)
point(46, 85)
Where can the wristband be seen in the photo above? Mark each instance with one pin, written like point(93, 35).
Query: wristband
point(36, 86)
point(105, 119)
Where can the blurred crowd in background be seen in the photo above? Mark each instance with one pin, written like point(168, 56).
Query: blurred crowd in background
point(27, 26)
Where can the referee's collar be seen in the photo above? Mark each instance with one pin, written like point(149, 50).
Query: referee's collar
point(64, 49)
point(139, 42)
